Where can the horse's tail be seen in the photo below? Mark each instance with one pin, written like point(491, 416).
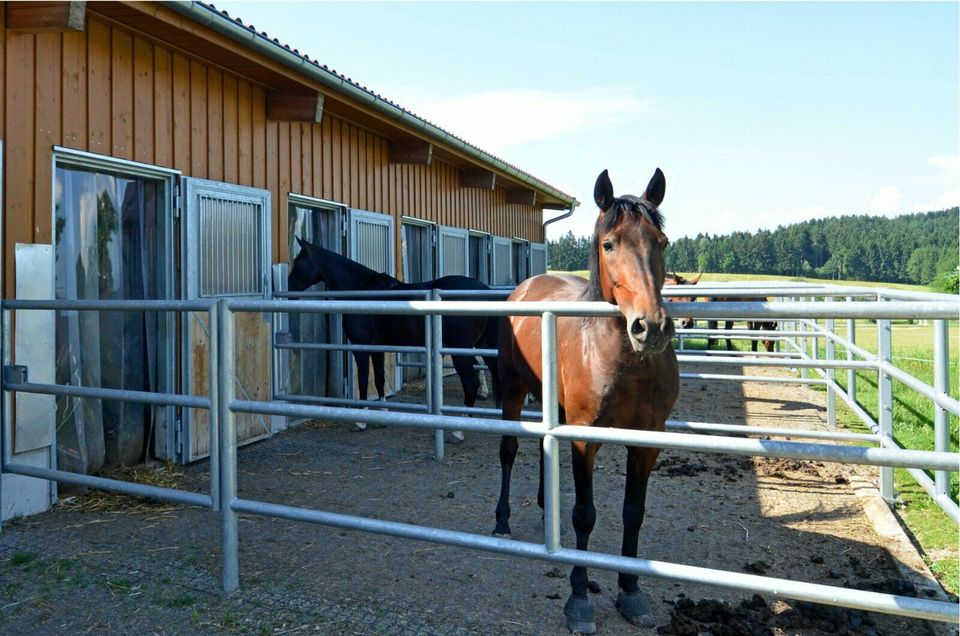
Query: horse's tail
point(490, 339)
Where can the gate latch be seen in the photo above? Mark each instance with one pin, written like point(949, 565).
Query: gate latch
point(15, 374)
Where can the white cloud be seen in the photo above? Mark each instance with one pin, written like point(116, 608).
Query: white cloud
point(509, 117)
point(948, 167)
point(886, 200)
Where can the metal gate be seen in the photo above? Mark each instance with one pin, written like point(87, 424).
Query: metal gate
point(538, 258)
point(226, 254)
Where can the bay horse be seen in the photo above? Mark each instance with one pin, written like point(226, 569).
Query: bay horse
point(617, 372)
point(673, 278)
point(753, 325)
point(315, 264)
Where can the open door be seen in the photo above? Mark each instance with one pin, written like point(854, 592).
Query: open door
point(226, 253)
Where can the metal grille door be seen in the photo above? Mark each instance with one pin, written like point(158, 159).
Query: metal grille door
point(371, 240)
point(226, 250)
point(502, 266)
point(538, 258)
point(454, 244)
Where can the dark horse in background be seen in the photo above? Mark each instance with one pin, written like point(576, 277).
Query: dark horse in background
point(612, 372)
point(753, 325)
point(315, 264)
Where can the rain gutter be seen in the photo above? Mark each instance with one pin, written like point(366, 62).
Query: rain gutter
point(212, 19)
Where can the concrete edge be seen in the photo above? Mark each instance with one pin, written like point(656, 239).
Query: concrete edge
point(909, 563)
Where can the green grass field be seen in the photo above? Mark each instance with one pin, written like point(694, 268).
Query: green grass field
point(913, 415)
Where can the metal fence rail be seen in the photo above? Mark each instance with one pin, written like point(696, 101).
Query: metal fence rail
point(224, 406)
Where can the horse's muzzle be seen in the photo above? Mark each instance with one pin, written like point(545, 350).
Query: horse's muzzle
point(650, 336)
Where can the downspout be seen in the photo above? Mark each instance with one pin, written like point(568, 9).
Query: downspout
point(208, 17)
point(565, 215)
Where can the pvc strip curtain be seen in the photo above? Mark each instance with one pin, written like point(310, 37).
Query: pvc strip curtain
point(109, 232)
point(314, 373)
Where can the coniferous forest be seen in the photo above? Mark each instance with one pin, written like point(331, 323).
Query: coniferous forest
point(920, 248)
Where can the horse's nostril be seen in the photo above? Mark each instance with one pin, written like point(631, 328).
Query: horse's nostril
point(637, 328)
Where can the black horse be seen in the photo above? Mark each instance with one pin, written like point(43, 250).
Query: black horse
point(315, 264)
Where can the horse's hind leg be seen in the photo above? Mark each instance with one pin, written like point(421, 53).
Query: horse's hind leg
point(631, 602)
point(579, 609)
point(711, 325)
point(728, 327)
point(363, 376)
point(468, 378)
point(378, 374)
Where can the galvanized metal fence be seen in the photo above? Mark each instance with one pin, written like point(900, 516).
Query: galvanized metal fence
point(224, 406)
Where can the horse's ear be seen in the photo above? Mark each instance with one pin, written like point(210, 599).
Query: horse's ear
point(603, 191)
point(694, 281)
point(656, 188)
point(303, 244)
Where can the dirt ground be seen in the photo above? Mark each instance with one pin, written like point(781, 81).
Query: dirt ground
point(144, 569)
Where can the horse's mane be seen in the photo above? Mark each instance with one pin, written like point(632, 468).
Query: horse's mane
point(606, 221)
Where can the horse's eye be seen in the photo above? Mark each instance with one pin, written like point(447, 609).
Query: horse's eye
point(607, 246)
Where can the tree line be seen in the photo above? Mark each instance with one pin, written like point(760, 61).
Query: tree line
point(913, 248)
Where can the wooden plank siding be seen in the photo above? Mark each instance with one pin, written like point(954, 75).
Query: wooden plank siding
point(116, 92)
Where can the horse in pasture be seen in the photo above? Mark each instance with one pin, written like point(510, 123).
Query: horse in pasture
point(612, 372)
point(315, 264)
point(673, 278)
point(753, 325)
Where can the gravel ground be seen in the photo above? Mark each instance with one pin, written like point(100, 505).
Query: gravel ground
point(136, 568)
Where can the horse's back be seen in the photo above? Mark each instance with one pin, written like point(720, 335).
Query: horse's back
point(550, 287)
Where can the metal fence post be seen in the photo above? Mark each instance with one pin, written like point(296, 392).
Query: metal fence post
point(435, 360)
point(551, 447)
point(941, 384)
point(213, 318)
point(228, 447)
point(831, 375)
point(803, 343)
point(851, 373)
point(885, 404)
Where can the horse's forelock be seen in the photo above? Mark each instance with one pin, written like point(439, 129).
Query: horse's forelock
point(628, 204)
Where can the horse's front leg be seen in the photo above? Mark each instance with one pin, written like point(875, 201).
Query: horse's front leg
point(579, 609)
point(631, 602)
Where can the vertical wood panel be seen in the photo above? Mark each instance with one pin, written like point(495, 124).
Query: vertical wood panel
point(198, 120)
point(48, 131)
point(336, 149)
point(162, 108)
point(272, 167)
point(19, 146)
point(306, 158)
point(295, 177)
point(98, 87)
point(122, 94)
point(316, 157)
point(258, 103)
point(378, 183)
point(244, 134)
point(143, 101)
point(214, 124)
point(182, 114)
point(74, 90)
point(283, 163)
point(327, 148)
point(360, 139)
point(352, 167)
point(231, 160)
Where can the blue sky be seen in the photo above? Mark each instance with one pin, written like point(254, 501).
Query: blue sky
point(759, 114)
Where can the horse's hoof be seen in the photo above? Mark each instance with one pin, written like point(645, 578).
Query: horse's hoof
point(579, 613)
point(635, 608)
point(358, 427)
point(455, 437)
point(502, 532)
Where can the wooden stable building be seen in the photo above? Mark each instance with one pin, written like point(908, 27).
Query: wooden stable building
point(168, 151)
